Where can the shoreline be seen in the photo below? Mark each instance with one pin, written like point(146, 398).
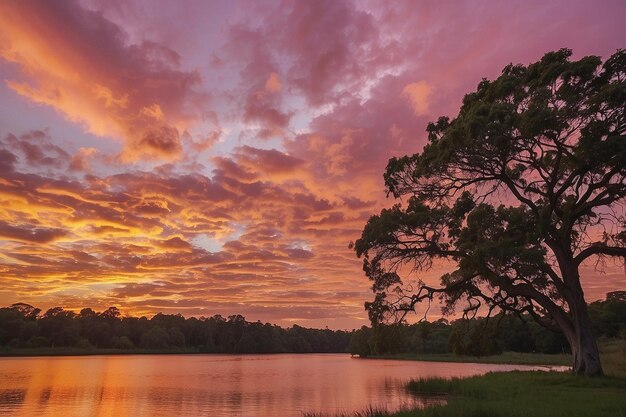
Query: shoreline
point(506, 358)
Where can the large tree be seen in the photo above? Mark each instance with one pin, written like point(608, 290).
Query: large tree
point(525, 185)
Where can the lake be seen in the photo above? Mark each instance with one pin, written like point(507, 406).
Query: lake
point(213, 385)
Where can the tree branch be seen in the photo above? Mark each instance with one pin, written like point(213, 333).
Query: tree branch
point(600, 249)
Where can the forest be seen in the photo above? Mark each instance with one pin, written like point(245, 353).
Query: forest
point(24, 328)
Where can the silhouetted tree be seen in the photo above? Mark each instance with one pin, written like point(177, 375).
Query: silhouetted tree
point(155, 338)
point(246, 344)
point(360, 342)
point(123, 342)
point(474, 338)
point(111, 313)
point(522, 187)
point(29, 312)
point(60, 327)
point(608, 317)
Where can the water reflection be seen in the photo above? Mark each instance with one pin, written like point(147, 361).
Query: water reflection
point(215, 385)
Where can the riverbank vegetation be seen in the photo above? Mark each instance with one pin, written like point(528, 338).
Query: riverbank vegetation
point(512, 394)
point(485, 339)
point(537, 394)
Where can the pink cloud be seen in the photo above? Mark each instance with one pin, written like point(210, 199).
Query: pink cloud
point(84, 66)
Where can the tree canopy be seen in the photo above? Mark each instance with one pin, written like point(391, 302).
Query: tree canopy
point(23, 326)
point(516, 192)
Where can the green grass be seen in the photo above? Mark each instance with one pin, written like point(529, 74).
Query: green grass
point(368, 412)
point(613, 357)
point(524, 394)
point(510, 358)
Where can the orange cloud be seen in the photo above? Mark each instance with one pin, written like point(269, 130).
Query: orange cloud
point(80, 160)
point(273, 85)
point(418, 95)
point(83, 65)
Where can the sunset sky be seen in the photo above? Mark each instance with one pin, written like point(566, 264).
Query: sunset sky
point(218, 157)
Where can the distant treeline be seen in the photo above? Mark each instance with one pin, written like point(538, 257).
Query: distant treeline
point(480, 337)
point(25, 327)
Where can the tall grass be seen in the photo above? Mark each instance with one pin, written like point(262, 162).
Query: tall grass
point(368, 412)
point(613, 356)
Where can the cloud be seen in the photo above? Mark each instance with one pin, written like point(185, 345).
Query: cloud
point(85, 66)
point(263, 107)
point(271, 162)
point(37, 148)
point(80, 160)
point(7, 161)
point(206, 142)
point(30, 234)
point(273, 85)
point(161, 141)
point(327, 49)
point(418, 95)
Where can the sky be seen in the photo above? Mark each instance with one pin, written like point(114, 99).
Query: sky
point(218, 157)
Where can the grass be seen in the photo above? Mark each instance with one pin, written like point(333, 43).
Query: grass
point(509, 358)
point(613, 356)
point(368, 412)
point(524, 394)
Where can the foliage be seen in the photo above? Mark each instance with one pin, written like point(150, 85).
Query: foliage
point(24, 327)
point(608, 317)
point(522, 187)
point(360, 342)
point(482, 336)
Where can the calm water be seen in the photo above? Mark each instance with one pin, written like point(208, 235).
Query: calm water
point(212, 385)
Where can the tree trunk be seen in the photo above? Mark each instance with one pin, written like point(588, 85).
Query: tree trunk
point(583, 343)
point(581, 339)
point(586, 357)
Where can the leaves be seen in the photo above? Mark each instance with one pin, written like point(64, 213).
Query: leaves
point(510, 191)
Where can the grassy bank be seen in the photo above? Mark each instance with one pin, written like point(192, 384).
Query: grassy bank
point(613, 356)
point(511, 358)
point(524, 394)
